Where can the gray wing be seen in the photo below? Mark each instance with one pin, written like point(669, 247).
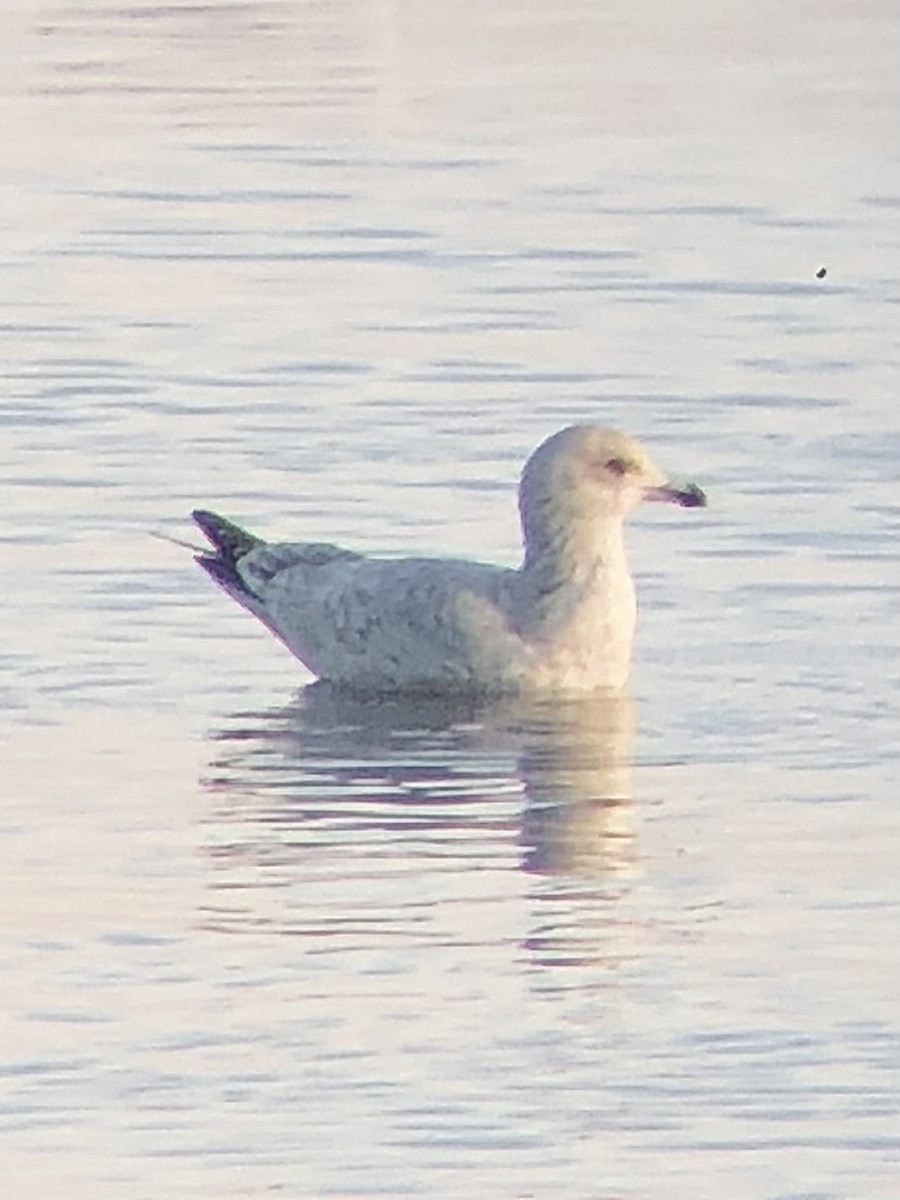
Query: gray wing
point(372, 623)
point(383, 623)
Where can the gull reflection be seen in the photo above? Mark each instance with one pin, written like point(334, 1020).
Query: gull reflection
point(575, 765)
point(406, 803)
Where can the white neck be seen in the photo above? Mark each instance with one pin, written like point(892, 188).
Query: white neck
point(578, 548)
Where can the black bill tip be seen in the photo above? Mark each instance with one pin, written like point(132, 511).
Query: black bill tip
point(691, 496)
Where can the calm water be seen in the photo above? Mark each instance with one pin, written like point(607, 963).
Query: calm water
point(335, 267)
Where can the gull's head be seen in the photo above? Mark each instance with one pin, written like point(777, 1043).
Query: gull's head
point(586, 472)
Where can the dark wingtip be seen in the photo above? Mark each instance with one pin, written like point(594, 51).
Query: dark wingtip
point(219, 570)
point(208, 521)
point(231, 542)
point(226, 575)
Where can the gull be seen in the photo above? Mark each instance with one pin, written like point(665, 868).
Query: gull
point(563, 622)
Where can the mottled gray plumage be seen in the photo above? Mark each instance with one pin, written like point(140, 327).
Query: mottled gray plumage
point(563, 621)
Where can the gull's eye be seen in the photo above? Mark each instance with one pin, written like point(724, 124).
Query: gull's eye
point(618, 466)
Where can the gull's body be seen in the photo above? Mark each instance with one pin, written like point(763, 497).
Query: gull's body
point(563, 622)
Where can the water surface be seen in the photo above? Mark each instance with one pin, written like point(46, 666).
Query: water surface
point(336, 268)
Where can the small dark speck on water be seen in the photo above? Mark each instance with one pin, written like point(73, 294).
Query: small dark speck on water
point(821, 273)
